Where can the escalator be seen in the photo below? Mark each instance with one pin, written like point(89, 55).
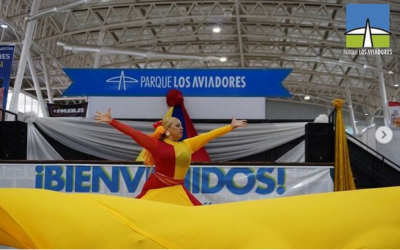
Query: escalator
point(370, 168)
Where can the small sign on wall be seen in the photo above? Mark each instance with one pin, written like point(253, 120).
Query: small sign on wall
point(74, 110)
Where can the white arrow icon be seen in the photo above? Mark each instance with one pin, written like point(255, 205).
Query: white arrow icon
point(384, 134)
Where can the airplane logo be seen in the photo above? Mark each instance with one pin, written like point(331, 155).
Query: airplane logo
point(122, 80)
point(367, 32)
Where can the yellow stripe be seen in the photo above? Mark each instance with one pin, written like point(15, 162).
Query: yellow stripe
point(140, 156)
point(182, 160)
point(169, 112)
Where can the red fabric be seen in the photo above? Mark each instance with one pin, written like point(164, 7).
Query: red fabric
point(142, 139)
point(394, 104)
point(164, 159)
point(157, 124)
point(174, 98)
point(163, 155)
point(200, 155)
point(154, 183)
point(168, 180)
point(193, 199)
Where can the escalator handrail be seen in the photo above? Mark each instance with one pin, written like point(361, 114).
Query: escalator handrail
point(382, 180)
point(3, 114)
point(373, 150)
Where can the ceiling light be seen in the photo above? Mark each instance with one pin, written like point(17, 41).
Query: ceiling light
point(366, 114)
point(223, 59)
point(307, 97)
point(4, 26)
point(216, 29)
point(390, 72)
point(396, 85)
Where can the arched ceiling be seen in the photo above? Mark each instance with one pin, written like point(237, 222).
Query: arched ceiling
point(307, 36)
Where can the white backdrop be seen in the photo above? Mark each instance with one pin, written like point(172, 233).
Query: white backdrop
point(197, 107)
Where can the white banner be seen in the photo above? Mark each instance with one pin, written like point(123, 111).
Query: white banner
point(211, 184)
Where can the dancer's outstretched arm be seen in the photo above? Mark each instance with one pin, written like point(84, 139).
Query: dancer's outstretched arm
point(142, 139)
point(195, 143)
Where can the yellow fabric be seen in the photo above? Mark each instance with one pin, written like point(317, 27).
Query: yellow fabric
point(195, 143)
point(32, 218)
point(343, 176)
point(184, 149)
point(169, 112)
point(182, 161)
point(140, 157)
point(173, 195)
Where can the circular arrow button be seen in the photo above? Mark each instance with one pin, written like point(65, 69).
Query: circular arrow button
point(384, 134)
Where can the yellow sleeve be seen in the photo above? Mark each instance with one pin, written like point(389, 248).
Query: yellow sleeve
point(195, 143)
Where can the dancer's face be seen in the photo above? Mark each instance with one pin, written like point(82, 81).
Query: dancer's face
point(175, 130)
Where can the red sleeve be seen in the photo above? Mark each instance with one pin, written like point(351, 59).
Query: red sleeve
point(142, 139)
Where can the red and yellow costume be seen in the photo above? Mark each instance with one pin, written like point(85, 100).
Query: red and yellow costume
point(172, 160)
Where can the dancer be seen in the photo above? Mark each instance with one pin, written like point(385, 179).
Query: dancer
point(170, 156)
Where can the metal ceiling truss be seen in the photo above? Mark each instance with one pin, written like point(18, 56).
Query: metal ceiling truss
point(307, 36)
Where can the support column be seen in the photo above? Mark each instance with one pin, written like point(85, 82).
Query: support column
point(239, 34)
point(23, 58)
point(46, 79)
point(382, 91)
point(351, 111)
point(371, 120)
point(97, 55)
point(39, 95)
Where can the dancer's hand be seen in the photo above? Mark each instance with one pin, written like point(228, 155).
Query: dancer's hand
point(238, 123)
point(103, 117)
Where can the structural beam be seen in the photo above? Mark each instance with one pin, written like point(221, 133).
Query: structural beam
point(23, 58)
point(57, 9)
point(46, 79)
point(108, 50)
point(239, 34)
point(351, 110)
point(382, 91)
point(39, 95)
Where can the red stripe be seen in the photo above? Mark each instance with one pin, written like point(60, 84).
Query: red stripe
point(154, 183)
point(165, 158)
point(394, 104)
